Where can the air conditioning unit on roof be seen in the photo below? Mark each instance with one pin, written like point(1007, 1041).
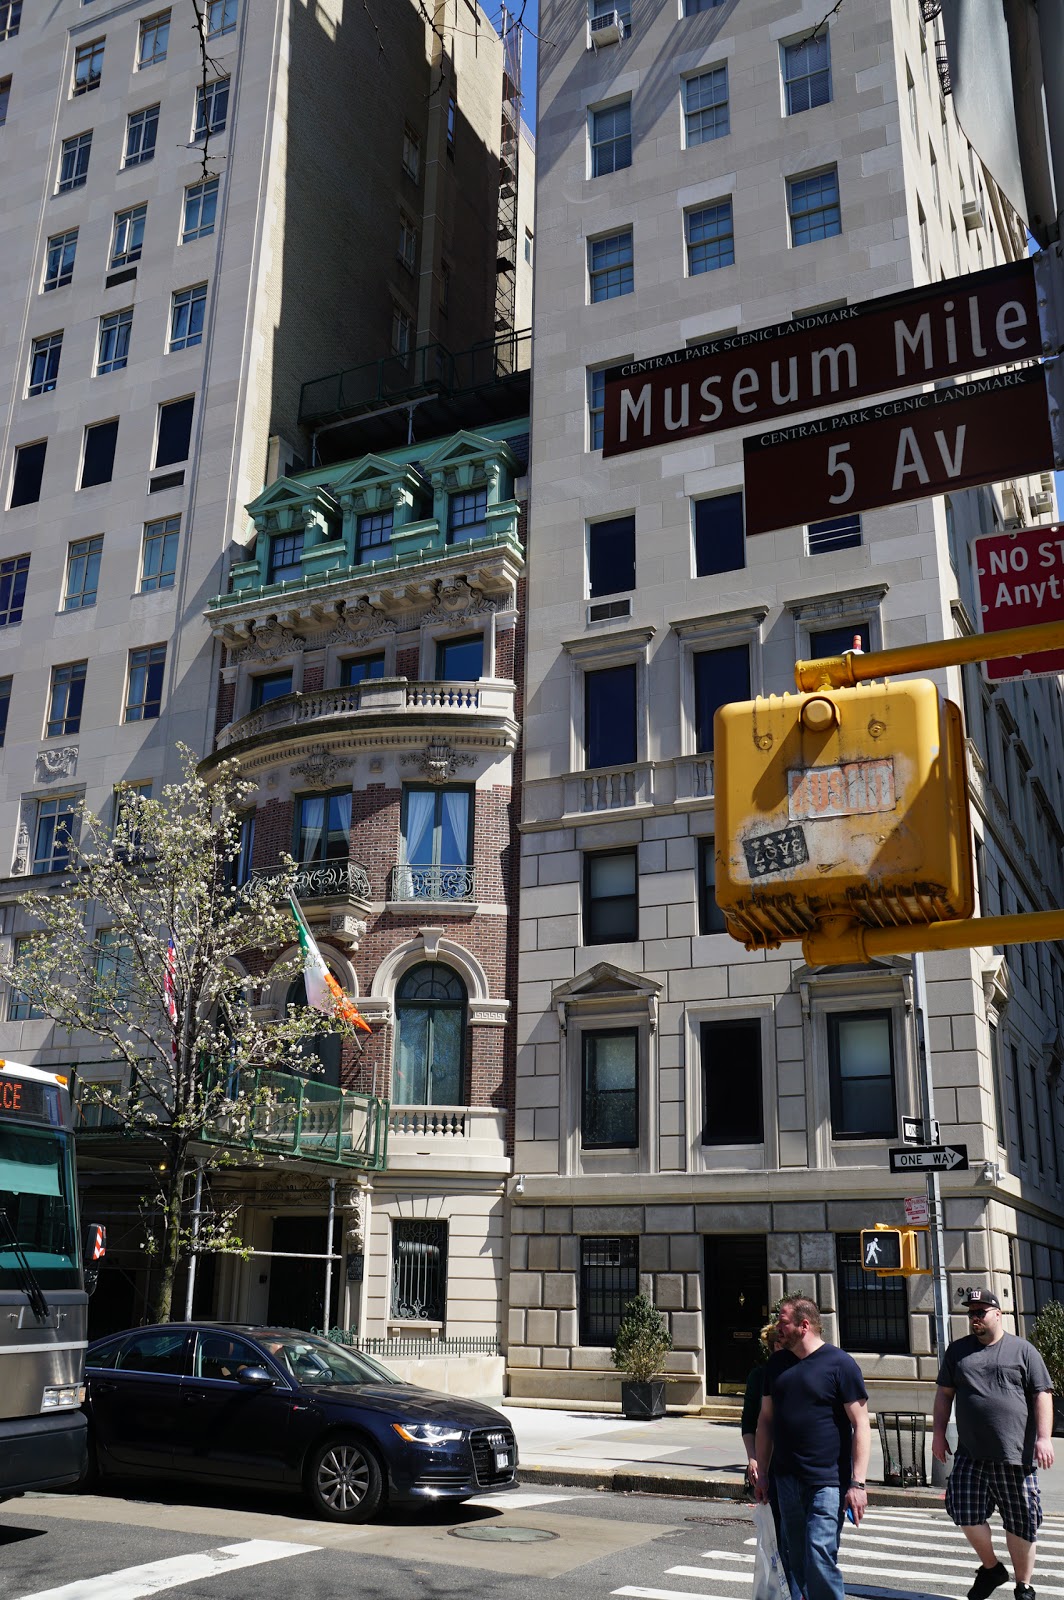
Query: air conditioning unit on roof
point(972, 213)
point(1041, 505)
point(607, 29)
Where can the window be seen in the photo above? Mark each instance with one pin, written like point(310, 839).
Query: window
point(187, 309)
point(705, 106)
point(212, 108)
point(357, 669)
point(113, 970)
point(873, 1313)
point(175, 431)
point(14, 572)
point(158, 558)
point(128, 819)
point(609, 266)
point(835, 533)
point(606, 8)
point(74, 162)
point(806, 74)
point(5, 98)
point(411, 153)
point(710, 238)
point(269, 686)
point(460, 660)
point(936, 192)
point(402, 332)
point(720, 677)
point(59, 260)
point(83, 573)
point(528, 246)
point(201, 206)
point(154, 37)
point(861, 1070)
point(98, 454)
point(44, 363)
point(240, 868)
point(720, 544)
point(10, 17)
point(836, 641)
point(731, 1082)
point(407, 251)
point(437, 844)
point(609, 1268)
point(374, 536)
point(466, 515)
point(611, 897)
point(88, 67)
point(144, 693)
point(221, 18)
point(113, 349)
point(65, 699)
point(813, 205)
point(596, 407)
point(56, 832)
point(127, 239)
point(142, 128)
point(609, 717)
point(921, 228)
point(20, 1008)
point(691, 8)
point(910, 94)
point(323, 827)
point(5, 706)
point(1017, 1094)
point(611, 556)
point(611, 139)
point(419, 1270)
point(430, 1007)
point(710, 916)
point(955, 246)
point(610, 1119)
point(452, 118)
point(26, 480)
point(286, 557)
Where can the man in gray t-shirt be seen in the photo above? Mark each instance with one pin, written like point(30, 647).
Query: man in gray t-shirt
point(1004, 1400)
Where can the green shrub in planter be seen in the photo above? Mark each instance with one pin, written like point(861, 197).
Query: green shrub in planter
point(643, 1342)
point(1047, 1336)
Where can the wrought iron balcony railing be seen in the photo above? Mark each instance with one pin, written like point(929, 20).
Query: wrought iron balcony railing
point(434, 883)
point(325, 880)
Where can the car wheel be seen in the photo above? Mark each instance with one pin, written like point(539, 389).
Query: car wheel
point(344, 1480)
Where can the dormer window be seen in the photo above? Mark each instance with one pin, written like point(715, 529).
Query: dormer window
point(286, 557)
point(375, 536)
point(467, 515)
point(270, 686)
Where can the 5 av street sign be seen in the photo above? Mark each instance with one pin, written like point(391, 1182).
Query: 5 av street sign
point(930, 1158)
point(898, 450)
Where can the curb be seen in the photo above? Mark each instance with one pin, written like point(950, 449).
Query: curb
point(693, 1485)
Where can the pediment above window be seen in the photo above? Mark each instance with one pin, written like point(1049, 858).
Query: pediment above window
point(469, 458)
point(290, 504)
point(607, 988)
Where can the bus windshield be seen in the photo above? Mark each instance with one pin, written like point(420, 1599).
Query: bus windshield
point(37, 1191)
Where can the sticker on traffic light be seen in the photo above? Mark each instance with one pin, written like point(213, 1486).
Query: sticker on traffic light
point(881, 1250)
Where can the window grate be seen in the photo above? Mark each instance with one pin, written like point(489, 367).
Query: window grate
point(609, 1279)
point(873, 1312)
point(419, 1271)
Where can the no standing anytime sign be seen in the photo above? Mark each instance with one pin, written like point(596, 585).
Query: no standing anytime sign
point(1021, 582)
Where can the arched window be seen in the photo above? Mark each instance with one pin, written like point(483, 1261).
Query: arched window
point(322, 1052)
point(430, 1007)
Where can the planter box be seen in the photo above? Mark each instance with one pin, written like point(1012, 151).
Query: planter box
point(642, 1402)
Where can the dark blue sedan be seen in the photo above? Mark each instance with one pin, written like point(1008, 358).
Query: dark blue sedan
point(272, 1408)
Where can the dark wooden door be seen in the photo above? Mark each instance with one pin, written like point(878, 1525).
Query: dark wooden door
point(297, 1284)
point(736, 1307)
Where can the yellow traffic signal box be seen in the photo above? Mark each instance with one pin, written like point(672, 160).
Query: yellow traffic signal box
point(844, 803)
point(890, 1252)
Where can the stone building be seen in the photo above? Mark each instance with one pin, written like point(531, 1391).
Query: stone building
point(704, 1122)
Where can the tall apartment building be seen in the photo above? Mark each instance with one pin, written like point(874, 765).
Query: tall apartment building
point(705, 1123)
point(200, 223)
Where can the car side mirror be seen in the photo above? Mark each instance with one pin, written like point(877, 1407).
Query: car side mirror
point(255, 1378)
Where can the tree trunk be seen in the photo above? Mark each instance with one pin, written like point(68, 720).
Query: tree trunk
point(171, 1244)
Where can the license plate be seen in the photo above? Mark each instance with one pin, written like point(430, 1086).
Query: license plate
point(502, 1460)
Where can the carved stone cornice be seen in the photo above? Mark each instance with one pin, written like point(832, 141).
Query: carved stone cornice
point(58, 763)
point(438, 761)
point(321, 767)
point(268, 642)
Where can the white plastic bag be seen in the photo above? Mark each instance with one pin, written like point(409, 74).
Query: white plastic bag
point(770, 1580)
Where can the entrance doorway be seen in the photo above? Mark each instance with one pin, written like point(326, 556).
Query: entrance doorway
point(736, 1308)
point(297, 1285)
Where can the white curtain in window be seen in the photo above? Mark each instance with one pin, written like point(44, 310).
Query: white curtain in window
point(455, 852)
point(420, 812)
point(340, 818)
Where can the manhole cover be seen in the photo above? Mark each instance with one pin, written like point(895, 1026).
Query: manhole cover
point(504, 1534)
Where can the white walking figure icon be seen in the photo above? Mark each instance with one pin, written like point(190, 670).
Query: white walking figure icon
point(872, 1252)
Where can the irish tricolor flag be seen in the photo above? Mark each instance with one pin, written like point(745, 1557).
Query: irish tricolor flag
point(323, 991)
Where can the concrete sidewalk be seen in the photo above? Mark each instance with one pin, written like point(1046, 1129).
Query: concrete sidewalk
point(680, 1455)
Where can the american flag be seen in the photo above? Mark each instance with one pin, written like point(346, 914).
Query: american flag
point(169, 994)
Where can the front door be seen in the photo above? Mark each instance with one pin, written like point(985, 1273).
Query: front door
point(736, 1308)
point(297, 1275)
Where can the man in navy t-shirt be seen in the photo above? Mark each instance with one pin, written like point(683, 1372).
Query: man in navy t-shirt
point(813, 1427)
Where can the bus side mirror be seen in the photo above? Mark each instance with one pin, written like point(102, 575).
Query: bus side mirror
point(95, 1250)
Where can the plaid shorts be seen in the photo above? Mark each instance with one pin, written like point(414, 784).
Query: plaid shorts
point(976, 1488)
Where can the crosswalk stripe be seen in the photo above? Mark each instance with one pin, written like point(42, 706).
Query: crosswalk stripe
point(639, 1593)
point(131, 1583)
point(928, 1577)
point(517, 1500)
point(708, 1572)
point(1045, 1562)
point(725, 1555)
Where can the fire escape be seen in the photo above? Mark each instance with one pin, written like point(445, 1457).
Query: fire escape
point(509, 169)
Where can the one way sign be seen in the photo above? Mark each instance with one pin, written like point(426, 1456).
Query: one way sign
point(930, 1158)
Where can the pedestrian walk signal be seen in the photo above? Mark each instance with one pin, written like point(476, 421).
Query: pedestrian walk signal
point(890, 1252)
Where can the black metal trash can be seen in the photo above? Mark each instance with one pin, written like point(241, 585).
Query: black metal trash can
point(903, 1435)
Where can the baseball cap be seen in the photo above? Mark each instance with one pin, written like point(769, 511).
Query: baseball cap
point(981, 1299)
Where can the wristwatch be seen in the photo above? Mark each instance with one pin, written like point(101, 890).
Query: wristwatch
point(855, 1483)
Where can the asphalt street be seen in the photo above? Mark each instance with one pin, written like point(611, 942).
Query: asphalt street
point(532, 1543)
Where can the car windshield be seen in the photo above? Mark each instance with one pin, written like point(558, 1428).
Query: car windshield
point(321, 1361)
